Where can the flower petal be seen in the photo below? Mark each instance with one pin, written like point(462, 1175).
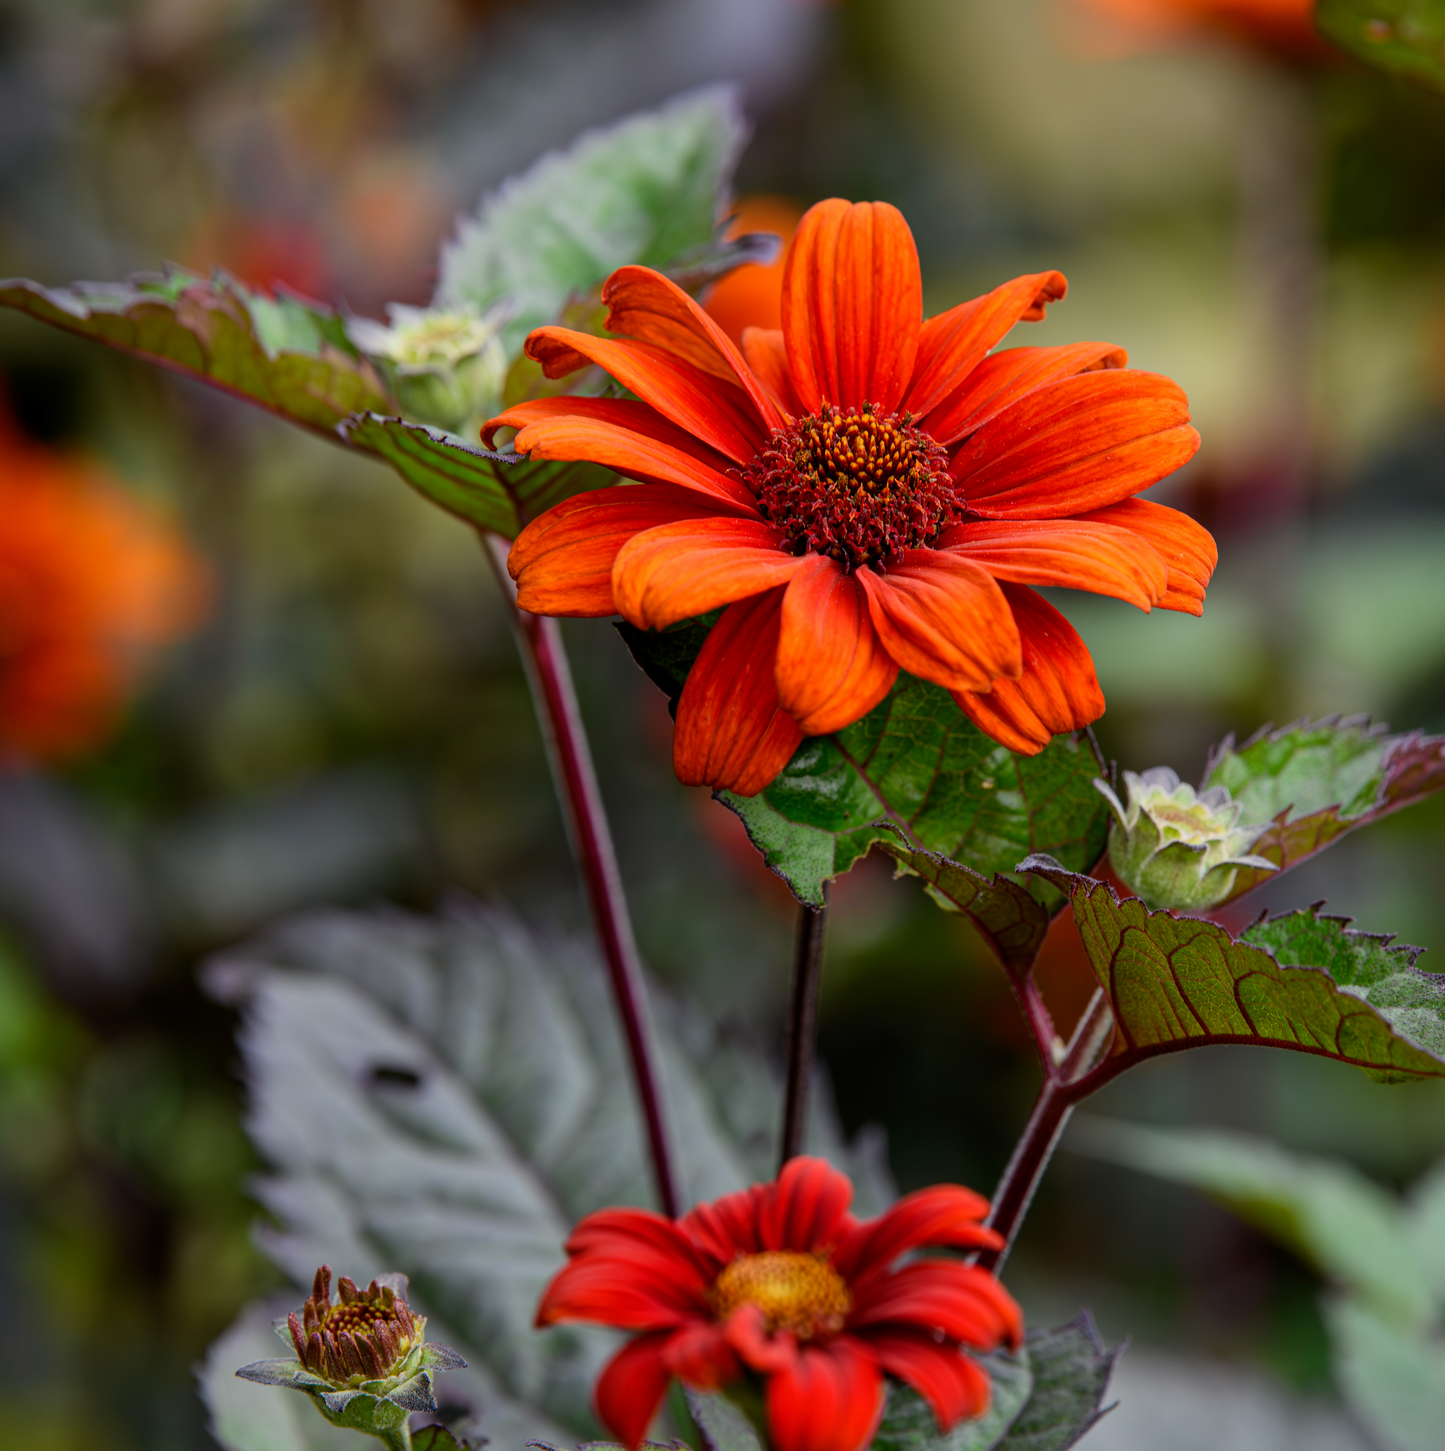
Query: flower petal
point(718, 413)
point(622, 434)
point(562, 561)
point(732, 734)
point(943, 619)
point(644, 304)
point(961, 1301)
point(1057, 692)
point(831, 1400)
point(804, 1207)
point(631, 1387)
point(632, 1292)
point(852, 305)
point(954, 343)
point(701, 1356)
point(1188, 548)
point(747, 1333)
point(1001, 379)
point(955, 1387)
point(677, 571)
point(728, 1226)
point(946, 1215)
point(627, 1232)
point(768, 358)
point(1077, 444)
point(1096, 557)
point(832, 669)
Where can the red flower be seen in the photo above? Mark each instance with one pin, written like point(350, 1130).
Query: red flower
point(781, 1282)
point(865, 491)
point(1284, 26)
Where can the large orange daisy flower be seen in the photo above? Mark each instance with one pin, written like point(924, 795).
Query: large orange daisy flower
point(863, 490)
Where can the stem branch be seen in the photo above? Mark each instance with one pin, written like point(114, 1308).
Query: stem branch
point(803, 1024)
point(550, 677)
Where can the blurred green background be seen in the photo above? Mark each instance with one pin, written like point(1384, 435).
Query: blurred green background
point(352, 723)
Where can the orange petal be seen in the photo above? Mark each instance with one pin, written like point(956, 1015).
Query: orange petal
point(943, 619)
point(732, 734)
point(852, 305)
point(631, 437)
point(680, 570)
point(832, 668)
point(1077, 444)
point(562, 561)
point(1096, 557)
point(955, 342)
point(1057, 692)
point(1187, 548)
point(645, 305)
point(1003, 378)
point(768, 358)
point(718, 413)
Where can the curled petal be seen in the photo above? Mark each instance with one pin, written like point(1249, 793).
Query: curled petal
point(747, 1334)
point(1187, 548)
point(830, 1400)
point(700, 1356)
point(955, 342)
point(944, 1216)
point(955, 1387)
point(852, 305)
point(631, 1387)
point(943, 619)
point(768, 358)
point(1057, 692)
point(732, 733)
point(804, 1208)
point(562, 561)
point(832, 669)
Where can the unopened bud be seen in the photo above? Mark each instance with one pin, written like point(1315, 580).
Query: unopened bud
point(1177, 847)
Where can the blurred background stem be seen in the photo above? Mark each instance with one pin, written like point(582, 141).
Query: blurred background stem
point(803, 1024)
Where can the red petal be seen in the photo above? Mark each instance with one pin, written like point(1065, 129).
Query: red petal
point(944, 1215)
point(955, 342)
point(852, 305)
point(644, 304)
point(768, 358)
point(830, 1400)
point(562, 561)
point(1094, 557)
point(1001, 380)
point(637, 1291)
point(1057, 692)
point(732, 734)
point(747, 1333)
point(803, 1209)
point(728, 1226)
point(956, 1387)
point(701, 1356)
point(624, 1231)
point(832, 669)
point(621, 434)
point(958, 1300)
point(943, 619)
point(1187, 548)
point(631, 1387)
point(718, 413)
point(681, 570)
point(1075, 445)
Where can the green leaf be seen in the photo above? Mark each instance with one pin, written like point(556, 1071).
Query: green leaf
point(1071, 1372)
point(1391, 1372)
point(446, 1097)
point(908, 1423)
point(1406, 36)
point(285, 355)
point(721, 1423)
point(1315, 782)
point(647, 190)
point(1180, 982)
point(495, 491)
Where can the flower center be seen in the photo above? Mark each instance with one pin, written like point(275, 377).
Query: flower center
point(857, 485)
point(798, 1292)
point(361, 1337)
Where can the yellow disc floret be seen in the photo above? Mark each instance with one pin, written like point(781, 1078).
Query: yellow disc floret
point(795, 1291)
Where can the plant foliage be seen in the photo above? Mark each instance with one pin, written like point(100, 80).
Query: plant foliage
point(1407, 36)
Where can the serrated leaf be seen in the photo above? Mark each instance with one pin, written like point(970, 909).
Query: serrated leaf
point(445, 1097)
point(643, 191)
point(908, 1422)
point(1391, 1372)
point(1180, 982)
point(1315, 782)
point(1071, 1371)
point(1405, 36)
point(285, 355)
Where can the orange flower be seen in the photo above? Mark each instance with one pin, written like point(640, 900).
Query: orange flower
point(752, 295)
point(1286, 26)
point(864, 491)
point(88, 577)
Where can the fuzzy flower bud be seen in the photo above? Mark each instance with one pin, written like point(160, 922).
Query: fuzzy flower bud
point(363, 1358)
point(1177, 847)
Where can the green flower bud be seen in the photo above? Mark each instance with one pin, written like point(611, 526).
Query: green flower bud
point(362, 1359)
point(1177, 847)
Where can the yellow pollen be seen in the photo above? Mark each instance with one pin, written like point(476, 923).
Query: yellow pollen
point(795, 1291)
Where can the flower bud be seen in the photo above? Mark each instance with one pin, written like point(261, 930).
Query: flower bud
point(1177, 847)
point(363, 1358)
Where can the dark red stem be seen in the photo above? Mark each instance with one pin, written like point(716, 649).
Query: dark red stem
point(550, 676)
point(803, 1024)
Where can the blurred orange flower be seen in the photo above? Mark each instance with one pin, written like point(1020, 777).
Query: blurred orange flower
point(89, 577)
point(752, 296)
point(1284, 26)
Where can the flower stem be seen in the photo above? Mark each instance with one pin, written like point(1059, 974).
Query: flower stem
point(803, 1024)
point(550, 676)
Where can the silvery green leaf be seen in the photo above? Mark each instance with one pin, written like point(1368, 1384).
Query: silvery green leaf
point(1071, 1371)
point(908, 1422)
point(1392, 1374)
point(276, 1372)
point(720, 1422)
